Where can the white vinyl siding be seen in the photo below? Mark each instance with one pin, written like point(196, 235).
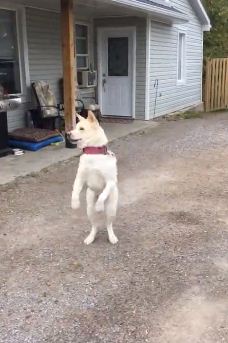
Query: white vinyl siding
point(44, 47)
point(172, 95)
point(16, 118)
point(45, 51)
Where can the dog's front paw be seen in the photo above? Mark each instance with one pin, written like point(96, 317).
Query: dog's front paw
point(75, 203)
point(99, 207)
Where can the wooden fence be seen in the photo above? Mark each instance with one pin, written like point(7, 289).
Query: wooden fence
point(216, 84)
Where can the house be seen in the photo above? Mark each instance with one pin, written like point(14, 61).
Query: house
point(147, 54)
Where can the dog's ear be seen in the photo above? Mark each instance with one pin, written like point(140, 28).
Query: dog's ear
point(79, 117)
point(91, 117)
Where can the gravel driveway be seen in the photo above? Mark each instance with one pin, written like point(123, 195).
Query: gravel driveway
point(167, 279)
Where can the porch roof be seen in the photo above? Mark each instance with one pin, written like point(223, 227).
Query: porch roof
point(166, 10)
point(105, 8)
point(169, 8)
point(156, 10)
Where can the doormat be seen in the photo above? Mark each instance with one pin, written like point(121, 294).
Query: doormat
point(119, 120)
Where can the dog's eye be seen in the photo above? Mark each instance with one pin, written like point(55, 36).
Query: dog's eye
point(81, 128)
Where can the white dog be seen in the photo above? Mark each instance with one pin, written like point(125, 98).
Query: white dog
point(98, 172)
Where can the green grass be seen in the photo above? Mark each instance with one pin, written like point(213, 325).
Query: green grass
point(189, 115)
point(185, 115)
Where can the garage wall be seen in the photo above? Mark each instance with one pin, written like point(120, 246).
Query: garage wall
point(163, 63)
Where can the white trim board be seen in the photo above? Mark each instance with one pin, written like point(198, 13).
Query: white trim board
point(25, 57)
point(134, 73)
point(183, 80)
point(148, 64)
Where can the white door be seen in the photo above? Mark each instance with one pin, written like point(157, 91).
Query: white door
point(116, 71)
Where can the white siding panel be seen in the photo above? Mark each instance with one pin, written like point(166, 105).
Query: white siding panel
point(163, 64)
point(44, 47)
point(16, 118)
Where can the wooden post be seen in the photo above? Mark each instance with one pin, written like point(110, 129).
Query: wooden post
point(69, 67)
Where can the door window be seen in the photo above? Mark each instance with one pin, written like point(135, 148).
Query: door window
point(118, 56)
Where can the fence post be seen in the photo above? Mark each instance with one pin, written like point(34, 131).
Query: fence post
point(207, 84)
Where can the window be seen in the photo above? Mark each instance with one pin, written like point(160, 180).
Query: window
point(82, 46)
point(181, 58)
point(9, 57)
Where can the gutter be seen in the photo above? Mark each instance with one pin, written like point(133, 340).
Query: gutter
point(202, 14)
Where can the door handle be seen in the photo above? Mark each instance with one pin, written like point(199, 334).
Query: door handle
point(103, 83)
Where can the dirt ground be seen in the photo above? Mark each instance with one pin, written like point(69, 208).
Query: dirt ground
point(167, 279)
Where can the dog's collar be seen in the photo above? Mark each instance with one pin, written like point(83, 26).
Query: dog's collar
point(95, 150)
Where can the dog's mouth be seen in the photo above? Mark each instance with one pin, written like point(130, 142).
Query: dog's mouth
point(73, 140)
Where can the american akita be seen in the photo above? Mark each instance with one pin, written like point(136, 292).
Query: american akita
point(98, 172)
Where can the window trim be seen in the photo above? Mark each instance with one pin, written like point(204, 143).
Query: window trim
point(22, 47)
point(88, 45)
point(183, 57)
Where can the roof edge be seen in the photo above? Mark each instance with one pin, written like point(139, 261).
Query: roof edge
point(202, 14)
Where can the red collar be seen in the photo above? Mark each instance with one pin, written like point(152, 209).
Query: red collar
point(95, 150)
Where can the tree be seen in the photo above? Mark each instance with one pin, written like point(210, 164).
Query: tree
point(216, 41)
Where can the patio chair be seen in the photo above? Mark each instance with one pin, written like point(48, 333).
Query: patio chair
point(48, 113)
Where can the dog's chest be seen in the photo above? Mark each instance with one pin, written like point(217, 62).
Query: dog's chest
point(97, 170)
point(95, 181)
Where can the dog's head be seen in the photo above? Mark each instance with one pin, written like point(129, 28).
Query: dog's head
point(88, 132)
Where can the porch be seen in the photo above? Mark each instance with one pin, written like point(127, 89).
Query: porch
point(47, 34)
point(58, 40)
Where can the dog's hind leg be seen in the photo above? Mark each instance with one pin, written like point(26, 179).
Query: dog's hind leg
point(91, 200)
point(110, 211)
